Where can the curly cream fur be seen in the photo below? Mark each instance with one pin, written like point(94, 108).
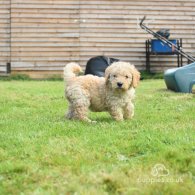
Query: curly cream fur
point(101, 94)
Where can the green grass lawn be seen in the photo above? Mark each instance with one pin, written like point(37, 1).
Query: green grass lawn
point(42, 153)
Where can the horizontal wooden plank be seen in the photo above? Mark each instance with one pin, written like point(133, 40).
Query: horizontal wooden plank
point(3, 68)
point(38, 74)
point(43, 44)
point(37, 30)
point(67, 2)
point(45, 39)
point(45, 6)
point(37, 35)
point(94, 11)
point(141, 2)
point(32, 64)
point(44, 54)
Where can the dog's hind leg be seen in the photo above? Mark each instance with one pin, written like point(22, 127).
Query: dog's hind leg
point(80, 113)
point(69, 114)
point(79, 103)
point(78, 109)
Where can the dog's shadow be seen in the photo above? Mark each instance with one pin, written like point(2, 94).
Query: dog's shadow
point(105, 119)
point(94, 119)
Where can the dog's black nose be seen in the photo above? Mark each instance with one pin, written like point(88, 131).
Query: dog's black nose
point(120, 84)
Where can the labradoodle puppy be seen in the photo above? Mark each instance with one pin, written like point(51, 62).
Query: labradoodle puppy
point(113, 94)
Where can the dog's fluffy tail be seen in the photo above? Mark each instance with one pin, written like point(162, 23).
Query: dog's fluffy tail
point(70, 70)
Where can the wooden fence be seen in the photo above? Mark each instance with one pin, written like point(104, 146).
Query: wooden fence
point(4, 34)
point(41, 36)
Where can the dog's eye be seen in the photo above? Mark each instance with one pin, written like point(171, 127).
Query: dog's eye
point(114, 76)
point(126, 77)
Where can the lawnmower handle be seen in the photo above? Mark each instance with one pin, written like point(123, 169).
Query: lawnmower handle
point(142, 20)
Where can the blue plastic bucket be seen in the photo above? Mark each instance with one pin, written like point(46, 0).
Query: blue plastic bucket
point(158, 46)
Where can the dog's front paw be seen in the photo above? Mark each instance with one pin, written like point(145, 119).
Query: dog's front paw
point(118, 119)
point(128, 116)
point(88, 120)
point(117, 116)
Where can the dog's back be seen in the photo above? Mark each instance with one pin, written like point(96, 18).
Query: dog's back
point(87, 87)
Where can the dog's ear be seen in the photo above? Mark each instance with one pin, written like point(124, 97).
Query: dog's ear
point(107, 74)
point(136, 77)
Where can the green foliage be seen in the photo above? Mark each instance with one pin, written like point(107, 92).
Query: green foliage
point(43, 153)
point(144, 75)
point(147, 75)
point(22, 77)
point(54, 78)
point(25, 77)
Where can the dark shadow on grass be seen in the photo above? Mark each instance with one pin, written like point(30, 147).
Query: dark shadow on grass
point(97, 120)
point(76, 121)
point(103, 119)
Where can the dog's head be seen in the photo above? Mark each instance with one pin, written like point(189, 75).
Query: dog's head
point(122, 76)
